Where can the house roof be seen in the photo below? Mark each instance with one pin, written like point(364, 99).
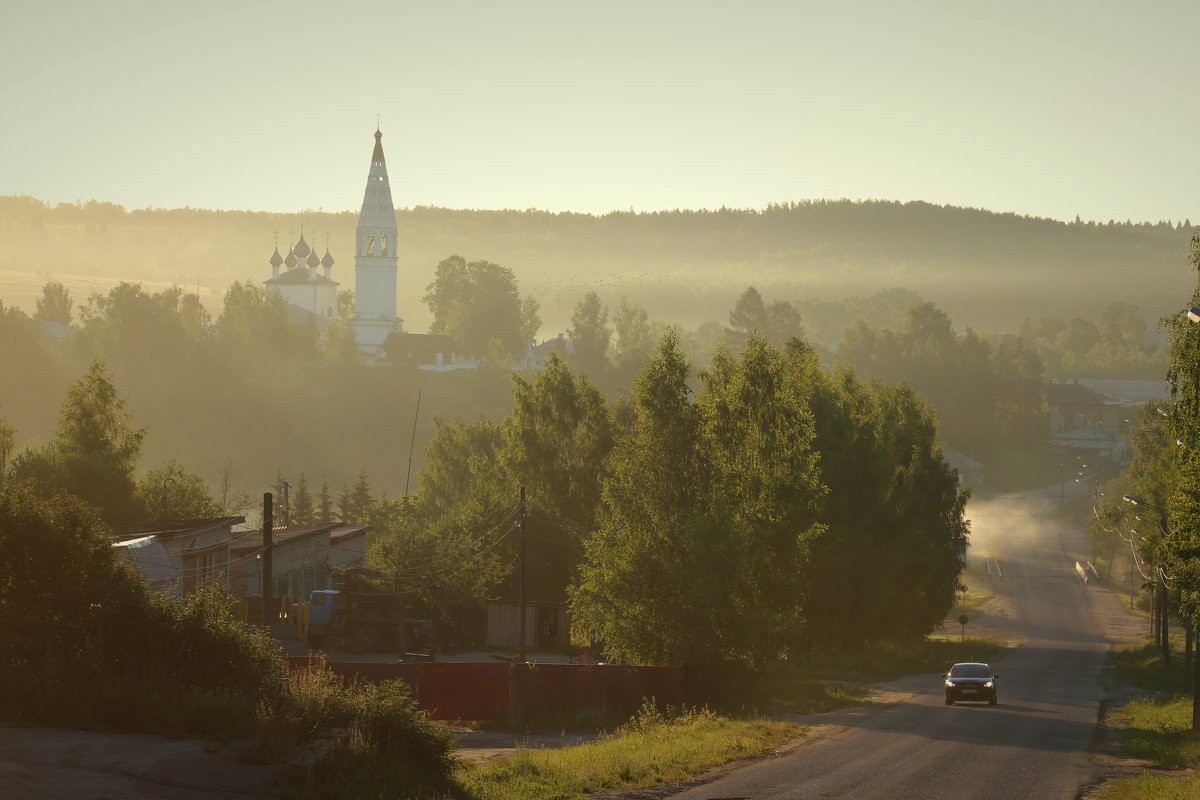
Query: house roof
point(960, 461)
point(1129, 391)
point(349, 532)
point(149, 554)
point(1075, 394)
point(170, 528)
point(559, 344)
point(252, 540)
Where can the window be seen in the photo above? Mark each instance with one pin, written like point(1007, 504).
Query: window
point(383, 244)
point(370, 244)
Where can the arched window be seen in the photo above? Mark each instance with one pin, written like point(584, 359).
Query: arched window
point(383, 244)
point(370, 244)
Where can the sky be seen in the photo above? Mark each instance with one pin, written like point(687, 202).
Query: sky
point(1055, 109)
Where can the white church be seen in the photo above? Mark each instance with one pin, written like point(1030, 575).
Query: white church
point(306, 283)
point(308, 287)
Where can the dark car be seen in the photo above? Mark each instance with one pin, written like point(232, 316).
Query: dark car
point(970, 681)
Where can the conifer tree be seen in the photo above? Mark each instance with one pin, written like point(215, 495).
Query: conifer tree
point(302, 503)
point(324, 502)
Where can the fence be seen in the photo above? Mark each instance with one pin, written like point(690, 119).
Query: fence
point(497, 691)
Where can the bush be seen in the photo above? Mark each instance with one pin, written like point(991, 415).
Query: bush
point(88, 643)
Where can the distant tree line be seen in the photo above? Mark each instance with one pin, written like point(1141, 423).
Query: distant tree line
point(684, 265)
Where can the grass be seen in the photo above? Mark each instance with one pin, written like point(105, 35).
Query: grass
point(1156, 729)
point(653, 749)
point(1150, 787)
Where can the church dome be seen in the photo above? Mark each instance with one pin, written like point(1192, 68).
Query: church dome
point(276, 259)
point(291, 259)
point(327, 261)
point(301, 249)
point(312, 260)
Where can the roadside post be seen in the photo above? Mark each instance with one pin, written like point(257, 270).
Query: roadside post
point(963, 619)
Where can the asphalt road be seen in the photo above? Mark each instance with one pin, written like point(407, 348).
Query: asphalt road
point(1033, 744)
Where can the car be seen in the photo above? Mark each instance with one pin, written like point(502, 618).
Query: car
point(970, 680)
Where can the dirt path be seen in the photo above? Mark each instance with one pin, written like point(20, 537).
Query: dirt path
point(54, 764)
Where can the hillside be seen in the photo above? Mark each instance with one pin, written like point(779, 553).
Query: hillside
point(985, 269)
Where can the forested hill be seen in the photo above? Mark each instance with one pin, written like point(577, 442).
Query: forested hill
point(986, 269)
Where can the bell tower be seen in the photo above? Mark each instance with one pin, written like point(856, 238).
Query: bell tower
point(375, 260)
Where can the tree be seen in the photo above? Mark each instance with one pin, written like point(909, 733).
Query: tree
point(302, 504)
point(358, 499)
point(172, 493)
point(765, 497)
point(54, 305)
point(749, 313)
point(94, 452)
point(555, 443)
point(531, 321)
point(631, 323)
point(255, 323)
point(324, 509)
point(7, 440)
point(476, 302)
point(635, 587)
point(591, 335)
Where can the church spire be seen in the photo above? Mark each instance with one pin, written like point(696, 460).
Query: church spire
point(375, 258)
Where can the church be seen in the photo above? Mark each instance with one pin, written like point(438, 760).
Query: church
point(309, 288)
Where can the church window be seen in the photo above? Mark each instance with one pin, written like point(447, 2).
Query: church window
point(370, 244)
point(383, 244)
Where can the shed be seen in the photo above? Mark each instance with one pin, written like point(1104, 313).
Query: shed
point(547, 625)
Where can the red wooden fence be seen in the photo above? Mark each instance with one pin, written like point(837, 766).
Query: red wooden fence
point(490, 691)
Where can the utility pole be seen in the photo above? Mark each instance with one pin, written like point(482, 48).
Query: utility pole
point(412, 443)
point(521, 579)
point(267, 546)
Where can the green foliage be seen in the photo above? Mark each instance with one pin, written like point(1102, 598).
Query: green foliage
point(652, 749)
point(86, 642)
point(1114, 344)
point(7, 438)
point(171, 492)
point(776, 322)
point(94, 452)
point(381, 743)
point(635, 589)
point(257, 324)
point(301, 512)
point(591, 335)
point(741, 529)
point(631, 325)
point(475, 302)
point(982, 395)
point(54, 305)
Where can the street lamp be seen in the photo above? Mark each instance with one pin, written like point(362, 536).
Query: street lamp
point(1160, 607)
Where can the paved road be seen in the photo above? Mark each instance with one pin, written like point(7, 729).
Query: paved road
point(1034, 744)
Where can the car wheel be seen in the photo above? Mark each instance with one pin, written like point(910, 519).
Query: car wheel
point(949, 702)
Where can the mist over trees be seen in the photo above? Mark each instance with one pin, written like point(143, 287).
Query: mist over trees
point(987, 268)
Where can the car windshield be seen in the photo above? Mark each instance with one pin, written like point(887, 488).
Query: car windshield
point(970, 671)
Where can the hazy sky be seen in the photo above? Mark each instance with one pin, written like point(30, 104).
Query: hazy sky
point(1052, 108)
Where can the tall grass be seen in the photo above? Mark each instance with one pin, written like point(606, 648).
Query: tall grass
point(655, 747)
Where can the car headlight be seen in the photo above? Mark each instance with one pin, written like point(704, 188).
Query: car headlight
point(950, 684)
point(989, 684)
